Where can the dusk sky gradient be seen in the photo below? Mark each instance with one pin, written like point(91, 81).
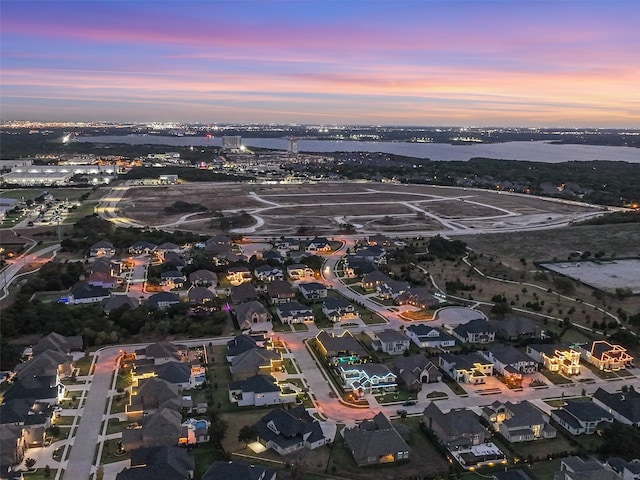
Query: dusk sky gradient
point(393, 62)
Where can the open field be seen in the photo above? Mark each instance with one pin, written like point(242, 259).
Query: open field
point(370, 207)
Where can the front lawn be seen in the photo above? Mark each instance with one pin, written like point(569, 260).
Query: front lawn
point(111, 452)
point(555, 378)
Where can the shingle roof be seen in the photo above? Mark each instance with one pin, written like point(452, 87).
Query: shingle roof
point(626, 404)
point(238, 470)
point(256, 384)
point(374, 438)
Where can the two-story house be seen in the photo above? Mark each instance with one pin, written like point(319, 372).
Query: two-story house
point(475, 331)
point(581, 418)
point(518, 422)
point(391, 342)
point(425, 336)
point(471, 368)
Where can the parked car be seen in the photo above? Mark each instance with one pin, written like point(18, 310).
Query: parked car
point(409, 403)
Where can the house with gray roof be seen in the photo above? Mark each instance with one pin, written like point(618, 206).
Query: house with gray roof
point(376, 441)
point(415, 370)
point(259, 391)
point(102, 248)
point(142, 247)
point(294, 312)
point(83, 292)
point(254, 362)
point(55, 341)
point(163, 300)
point(475, 331)
point(391, 342)
point(337, 349)
point(582, 418)
point(162, 352)
point(200, 295)
point(420, 297)
point(243, 293)
point(518, 422)
point(374, 254)
point(509, 361)
point(338, 309)
point(160, 429)
point(152, 394)
point(299, 271)
point(289, 431)
point(371, 281)
point(238, 470)
point(624, 406)
point(267, 273)
point(175, 373)
point(366, 378)
point(203, 278)
point(120, 301)
point(515, 327)
point(575, 468)
point(159, 463)
point(252, 315)
point(272, 255)
point(313, 290)
point(458, 428)
point(280, 291)
point(471, 368)
point(240, 344)
point(425, 336)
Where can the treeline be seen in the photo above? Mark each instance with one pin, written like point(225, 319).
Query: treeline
point(612, 218)
point(184, 207)
point(188, 174)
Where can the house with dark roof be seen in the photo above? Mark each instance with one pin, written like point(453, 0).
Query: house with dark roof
point(120, 301)
point(159, 463)
point(200, 295)
point(104, 280)
point(457, 428)
point(289, 431)
point(624, 406)
point(287, 244)
point(371, 281)
point(239, 275)
point(142, 247)
point(172, 279)
point(318, 244)
point(366, 378)
point(391, 342)
point(338, 309)
point(356, 267)
point(44, 364)
point(203, 278)
point(392, 289)
point(267, 273)
point(12, 448)
point(510, 362)
point(161, 352)
point(575, 468)
point(273, 256)
point(240, 344)
point(238, 470)
point(376, 441)
point(420, 297)
point(255, 362)
point(294, 312)
point(162, 300)
point(475, 331)
point(84, 293)
point(515, 327)
point(415, 370)
point(471, 368)
point(55, 341)
point(259, 391)
point(252, 315)
point(338, 349)
point(628, 470)
point(374, 254)
point(607, 356)
point(518, 422)
point(280, 292)
point(243, 293)
point(167, 247)
point(313, 290)
point(556, 358)
point(299, 271)
point(581, 418)
point(33, 417)
point(175, 373)
point(425, 336)
point(160, 429)
point(102, 248)
point(151, 394)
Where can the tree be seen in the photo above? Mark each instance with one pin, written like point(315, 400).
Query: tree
point(29, 462)
point(247, 434)
point(47, 471)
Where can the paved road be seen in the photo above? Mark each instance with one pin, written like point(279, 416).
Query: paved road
point(79, 466)
point(10, 273)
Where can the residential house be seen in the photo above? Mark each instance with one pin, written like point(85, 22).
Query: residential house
point(380, 240)
point(280, 292)
point(142, 247)
point(167, 247)
point(218, 244)
point(102, 249)
point(252, 315)
point(627, 470)
point(510, 362)
point(166, 463)
point(174, 261)
point(607, 356)
point(299, 271)
point(162, 352)
point(313, 290)
point(238, 470)
point(318, 245)
point(515, 327)
point(624, 406)
point(55, 341)
point(459, 428)
point(392, 289)
point(420, 297)
point(239, 275)
point(475, 331)
point(581, 418)
point(518, 422)
point(163, 300)
point(259, 391)
point(575, 468)
point(243, 293)
point(12, 447)
point(373, 254)
point(294, 312)
point(47, 363)
point(272, 256)
point(200, 295)
point(338, 349)
point(338, 309)
point(152, 394)
point(104, 280)
point(82, 292)
point(425, 336)
point(356, 267)
point(203, 278)
point(415, 370)
point(256, 361)
point(36, 383)
point(119, 301)
point(371, 281)
point(172, 279)
point(267, 273)
point(108, 266)
point(391, 342)
point(175, 373)
point(512, 474)
point(289, 431)
point(160, 429)
point(367, 378)
point(556, 358)
point(471, 368)
point(376, 441)
point(34, 418)
point(240, 344)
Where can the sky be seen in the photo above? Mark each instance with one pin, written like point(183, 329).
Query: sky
point(364, 62)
